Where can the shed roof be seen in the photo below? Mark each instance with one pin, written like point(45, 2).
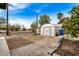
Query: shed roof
point(58, 25)
point(55, 25)
point(47, 25)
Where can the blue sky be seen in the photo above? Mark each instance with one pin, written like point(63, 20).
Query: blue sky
point(25, 13)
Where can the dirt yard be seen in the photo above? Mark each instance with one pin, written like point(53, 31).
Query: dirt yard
point(68, 48)
point(20, 39)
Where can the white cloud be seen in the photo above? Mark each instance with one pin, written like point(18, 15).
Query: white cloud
point(20, 21)
point(40, 8)
point(2, 13)
point(16, 6)
point(54, 20)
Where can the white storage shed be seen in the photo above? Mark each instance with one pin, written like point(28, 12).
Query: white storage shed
point(48, 30)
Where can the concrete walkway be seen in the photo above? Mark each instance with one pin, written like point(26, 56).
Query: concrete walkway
point(4, 51)
point(39, 48)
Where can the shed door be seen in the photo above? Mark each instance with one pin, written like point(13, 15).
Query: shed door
point(46, 31)
point(52, 31)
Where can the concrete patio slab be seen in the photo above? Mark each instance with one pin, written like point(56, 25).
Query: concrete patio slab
point(27, 50)
point(39, 48)
point(4, 50)
point(43, 42)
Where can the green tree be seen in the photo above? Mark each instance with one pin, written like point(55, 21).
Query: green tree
point(63, 20)
point(71, 26)
point(60, 16)
point(23, 28)
point(45, 19)
point(34, 26)
point(2, 21)
point(75, 12)
point(15, 27)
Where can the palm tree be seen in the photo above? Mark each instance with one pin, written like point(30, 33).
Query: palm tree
point(60, 16)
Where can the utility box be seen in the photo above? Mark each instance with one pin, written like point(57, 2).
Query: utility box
point(61, 31)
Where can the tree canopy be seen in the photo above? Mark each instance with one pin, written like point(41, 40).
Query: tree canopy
point(71, 25)
point(60, 16)
point(45, 19)
point(15, 27)
point(2, 21)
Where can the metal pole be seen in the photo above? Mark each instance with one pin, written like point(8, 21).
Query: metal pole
point(7, 20)
point(37, 20)
point(36, 24)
